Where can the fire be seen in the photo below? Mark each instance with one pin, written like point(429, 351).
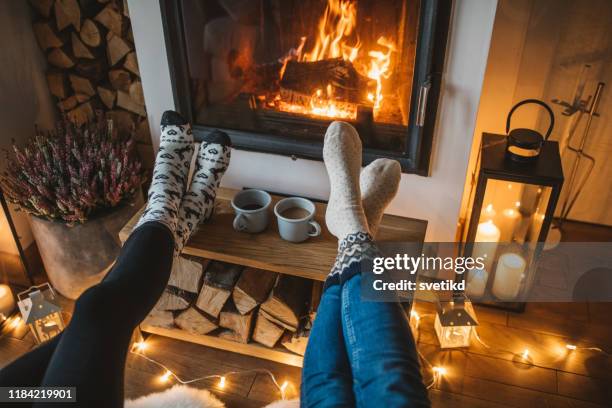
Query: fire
point(335, 27)
point(337, 38)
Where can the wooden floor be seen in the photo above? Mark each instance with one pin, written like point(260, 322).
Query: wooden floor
point(477, 377)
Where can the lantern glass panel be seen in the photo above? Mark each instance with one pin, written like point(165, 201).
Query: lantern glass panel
point(47, 327)
point(452, 336)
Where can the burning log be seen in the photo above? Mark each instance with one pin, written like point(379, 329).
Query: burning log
point(306, 78)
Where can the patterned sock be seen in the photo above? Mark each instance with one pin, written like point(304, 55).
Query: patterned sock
point(170, 173)
point(342, 157)
point(379, 183)
point(198, 203)
point(352, 250)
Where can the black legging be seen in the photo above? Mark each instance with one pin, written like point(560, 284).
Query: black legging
point(91, 352)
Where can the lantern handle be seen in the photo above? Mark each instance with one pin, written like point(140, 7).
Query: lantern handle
point(537, 102)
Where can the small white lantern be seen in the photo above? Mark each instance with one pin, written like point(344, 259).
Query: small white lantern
point(40, 312)
point(454, 323)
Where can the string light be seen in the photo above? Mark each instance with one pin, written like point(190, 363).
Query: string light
point(570, 347)
point(166, 376)
point(525, 354)
point(140, 346)
point(441, 371)
point(221, 382)
point(15, 323)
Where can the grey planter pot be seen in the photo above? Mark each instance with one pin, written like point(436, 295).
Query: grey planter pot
point(78, 257)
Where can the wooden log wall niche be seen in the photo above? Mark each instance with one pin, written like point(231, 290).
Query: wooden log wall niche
point(92, 64)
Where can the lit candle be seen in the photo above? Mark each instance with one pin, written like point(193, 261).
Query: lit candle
point(7, 301)
point(508, 276)
point(507, 222)
point(488, 213)
point(487, 237)
point(477, 283)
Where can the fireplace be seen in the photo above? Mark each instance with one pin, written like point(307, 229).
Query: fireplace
point(274, 73)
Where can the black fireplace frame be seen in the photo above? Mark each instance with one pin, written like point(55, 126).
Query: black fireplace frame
point(434, 21)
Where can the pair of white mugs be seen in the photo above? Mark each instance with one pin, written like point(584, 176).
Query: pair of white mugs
point(294, 215)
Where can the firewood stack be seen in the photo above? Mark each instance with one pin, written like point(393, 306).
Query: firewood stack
point(92, 63)
point(237, 303)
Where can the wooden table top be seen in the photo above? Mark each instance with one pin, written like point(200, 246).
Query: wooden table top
point(216, 239)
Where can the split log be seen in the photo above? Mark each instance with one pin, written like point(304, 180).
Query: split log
point(308, 77)
point(111, 19)
point(120, 79)
point(79, 49)
point(266, 332)
point(67, 12)
point(136, 93)
point(297, 342)
point(68, 104)
point(123, 121)
point(81, 114)
point(253, 288)
point(289, 299)
point(159, 318)
point(90, 34)
point(131, 63)
point(170, 301)
point(46, 37)
point(116, 48)
point(60, 59)
point(57, 84)
point(125, 101)
point(219, 281)
point(277, 321)
point(238, 323)
point(81, 85)
point(107, 96)
point(94, 70)
point(195, 322)
point(82, 97)
point(186, 274)
point(43, 7)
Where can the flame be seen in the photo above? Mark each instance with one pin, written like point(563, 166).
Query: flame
point(335, 26)
point(337, 38)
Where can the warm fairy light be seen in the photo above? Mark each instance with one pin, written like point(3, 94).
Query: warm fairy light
point(517, 204)
point(166, 376)
point(284, 386)
point(570, 347)
point(438, 370)
point(221, 382)
point(525, 354)
point(140, 346)
point(415, 314)
point(15, 323)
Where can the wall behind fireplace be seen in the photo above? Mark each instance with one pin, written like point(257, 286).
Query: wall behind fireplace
point(436, 198)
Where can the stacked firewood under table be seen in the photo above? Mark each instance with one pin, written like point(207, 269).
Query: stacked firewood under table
point(238, 303)
point(92, 61)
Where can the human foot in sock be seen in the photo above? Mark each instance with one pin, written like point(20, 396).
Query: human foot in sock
point(342, 157)
point(379, 183)
point(198, 203)
point(345, 217)
point(170, 173)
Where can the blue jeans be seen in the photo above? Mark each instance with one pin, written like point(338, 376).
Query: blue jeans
point(360, 354)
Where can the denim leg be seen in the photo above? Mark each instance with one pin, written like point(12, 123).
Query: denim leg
point(326, 376)
point(381, 351)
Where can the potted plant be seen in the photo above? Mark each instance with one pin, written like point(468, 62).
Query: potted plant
point(80, 186)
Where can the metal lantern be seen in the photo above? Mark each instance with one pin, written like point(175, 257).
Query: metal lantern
point(454, 323)
point(40, 311)
point(512, 209)
point(13, 263)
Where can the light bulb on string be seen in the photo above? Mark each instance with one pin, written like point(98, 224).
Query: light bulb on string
point(221, 382)
point(166, 376)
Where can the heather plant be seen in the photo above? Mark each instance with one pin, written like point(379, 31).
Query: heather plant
point(72, 173)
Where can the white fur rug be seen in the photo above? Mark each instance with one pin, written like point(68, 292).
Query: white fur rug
point(182, 396)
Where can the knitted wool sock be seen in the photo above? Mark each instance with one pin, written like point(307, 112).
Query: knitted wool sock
point(379, 183)
point(170, 173)
point(342, 157)
point(198, 203)
point(345, 217)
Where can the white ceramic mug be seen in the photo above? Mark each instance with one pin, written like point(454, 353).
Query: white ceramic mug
point(299, 226)
point(251, 208)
